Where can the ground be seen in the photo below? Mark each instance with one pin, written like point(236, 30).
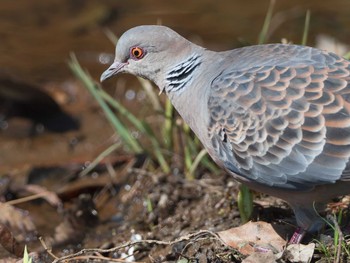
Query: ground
point(165, 218)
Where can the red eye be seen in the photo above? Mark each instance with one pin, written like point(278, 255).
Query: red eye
point(137, 52)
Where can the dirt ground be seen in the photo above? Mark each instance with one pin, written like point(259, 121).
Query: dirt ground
point(133, 215)
point(137, 205)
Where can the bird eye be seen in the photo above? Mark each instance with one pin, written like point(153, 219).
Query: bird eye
point(137, 52)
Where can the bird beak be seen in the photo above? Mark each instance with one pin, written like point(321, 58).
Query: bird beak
point(114, 69)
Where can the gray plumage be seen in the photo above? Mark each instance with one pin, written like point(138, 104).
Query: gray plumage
point(277, 117)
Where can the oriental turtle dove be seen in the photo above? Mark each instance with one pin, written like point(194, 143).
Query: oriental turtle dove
point(276, 117)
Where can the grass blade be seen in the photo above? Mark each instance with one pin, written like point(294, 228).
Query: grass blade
point(168, 129)
point(139, 125)
point(123, 132)
point(26, 258)
point(187, 150)
point(266, 25)
point(196, 162)
point(245, 203)
point(209, 164)
point(99, 158)
point(306, 28)
point(157, 150)
point(152, 95)
point(347, 55)
point(111, 36)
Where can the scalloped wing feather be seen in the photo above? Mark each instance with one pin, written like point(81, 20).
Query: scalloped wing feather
point(286, 126)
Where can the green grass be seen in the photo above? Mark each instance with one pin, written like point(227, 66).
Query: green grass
point(347, 55)
point(162, 143)
point(266, 25)
point(339, 250)
point(306, 28)
point(26, 258)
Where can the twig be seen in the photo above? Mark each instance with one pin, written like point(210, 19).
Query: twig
point(105, 258)
point(28, 198)
point(128, 244)
point(48, 250)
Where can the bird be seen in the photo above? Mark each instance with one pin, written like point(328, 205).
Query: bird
point(274, 116)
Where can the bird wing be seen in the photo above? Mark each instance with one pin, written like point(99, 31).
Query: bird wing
point(286, 125)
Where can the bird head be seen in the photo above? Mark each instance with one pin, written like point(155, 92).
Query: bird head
point(147, 51)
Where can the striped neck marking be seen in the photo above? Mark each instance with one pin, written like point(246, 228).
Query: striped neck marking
point(181, 75)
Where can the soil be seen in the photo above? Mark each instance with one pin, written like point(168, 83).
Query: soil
point(121, 211)
point(165, 218)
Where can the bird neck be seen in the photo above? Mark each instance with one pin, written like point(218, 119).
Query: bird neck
point(181, 75)
point(188, 87)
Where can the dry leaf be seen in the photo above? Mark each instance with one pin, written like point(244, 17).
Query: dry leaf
point(49, 196)
point(260, 257)
point(253, 236)
point(9, 260)
point(16, 218)
point(299, 253)
point(9, 242)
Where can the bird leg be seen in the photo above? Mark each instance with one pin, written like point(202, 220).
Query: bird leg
point(297, 236)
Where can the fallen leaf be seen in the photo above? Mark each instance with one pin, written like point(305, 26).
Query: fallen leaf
point(260, 257)
point(9, 242)
point(299, 253)
point(49, 196)
point(16, 218)
point(253, 236)
point(10, 260)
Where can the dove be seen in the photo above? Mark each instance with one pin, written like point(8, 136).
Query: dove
point(276, 116)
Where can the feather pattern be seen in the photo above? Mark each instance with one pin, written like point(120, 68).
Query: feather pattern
point(286, 125)
point(181, 74)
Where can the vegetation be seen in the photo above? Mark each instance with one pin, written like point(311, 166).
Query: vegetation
point(26, 258)
point(162, 150)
